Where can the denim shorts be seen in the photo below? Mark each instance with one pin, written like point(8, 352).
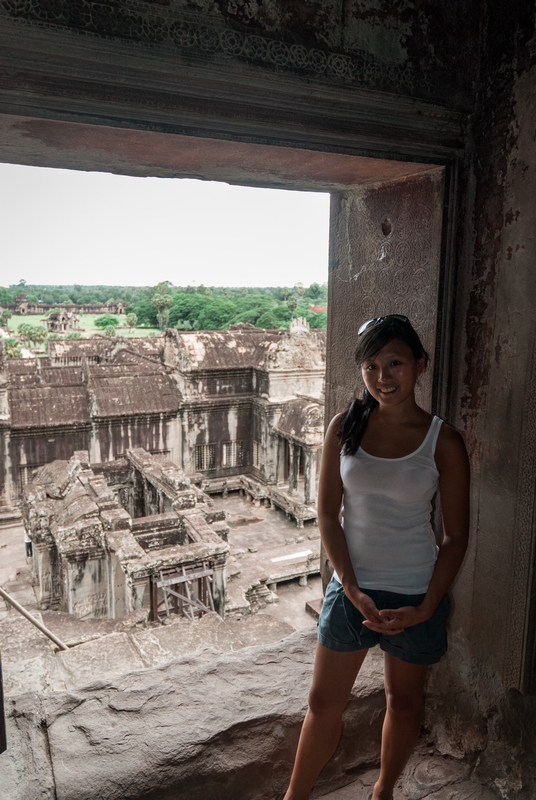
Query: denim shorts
point(340, 626)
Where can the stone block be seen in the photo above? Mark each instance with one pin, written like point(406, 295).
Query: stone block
point(314, 607)
point(116, 519)
point(161, 645)
point(106, 657)
point(25, 767)
point(58, 476)
point(219, 727)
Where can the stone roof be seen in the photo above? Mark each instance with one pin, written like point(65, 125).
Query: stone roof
point(126, 395)
point(302, 420)
point(105, 348)
point(61, 395)
point(246, 348)
point(107, 378)
point(216, 350)
point(43, 406)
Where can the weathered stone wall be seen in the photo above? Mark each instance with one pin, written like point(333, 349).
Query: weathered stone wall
point(493, 401)
point(385, 259)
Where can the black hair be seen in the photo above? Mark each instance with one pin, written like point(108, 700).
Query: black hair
point(353, 422)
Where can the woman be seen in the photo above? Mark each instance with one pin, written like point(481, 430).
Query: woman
point(383, 460)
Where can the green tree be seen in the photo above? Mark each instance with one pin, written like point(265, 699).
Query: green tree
point(5, 316)
point(145, 312)
point(110, 330)
point(131, 321)
point(217, 314)
point(74, 335)
point(39, 335)
point(162, 303)
point(12, 348)
point(25, 332)
point(292, 304)
point(105, 320)
point(7, 295)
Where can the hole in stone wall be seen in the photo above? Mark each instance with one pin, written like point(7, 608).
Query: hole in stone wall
point(387, 226)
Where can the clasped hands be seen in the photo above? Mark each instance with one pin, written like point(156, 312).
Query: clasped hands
point(389, 620)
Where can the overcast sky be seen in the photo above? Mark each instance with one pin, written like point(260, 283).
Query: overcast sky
point(65, 227)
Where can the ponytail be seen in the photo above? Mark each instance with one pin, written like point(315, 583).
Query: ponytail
point(353, 423)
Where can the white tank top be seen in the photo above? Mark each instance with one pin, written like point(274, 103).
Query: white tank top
point(386, 517)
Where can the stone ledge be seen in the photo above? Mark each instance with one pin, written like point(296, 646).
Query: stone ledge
point(205, 727)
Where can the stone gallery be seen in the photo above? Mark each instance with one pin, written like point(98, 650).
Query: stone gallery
point(242, 407)
point(94, 557)
point(419, 119)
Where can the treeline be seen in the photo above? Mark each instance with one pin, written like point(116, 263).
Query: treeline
point(216, 309)
point(58, 295)
point(194, 308)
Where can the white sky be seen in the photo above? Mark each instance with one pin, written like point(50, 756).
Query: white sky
point(66, 227)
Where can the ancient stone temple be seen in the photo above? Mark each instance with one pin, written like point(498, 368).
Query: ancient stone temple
point(63, 321)
point(242, 407)
point(419, 119)
point(22, 306)
point(131, 535)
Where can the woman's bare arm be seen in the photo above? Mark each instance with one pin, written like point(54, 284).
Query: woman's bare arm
point(454, 484)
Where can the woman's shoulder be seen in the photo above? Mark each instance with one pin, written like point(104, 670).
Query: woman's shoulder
point(450, 445)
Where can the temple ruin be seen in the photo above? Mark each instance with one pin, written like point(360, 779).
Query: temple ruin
point(63, 321)
point(22, 307)
point(160, 548)
point(244, 408)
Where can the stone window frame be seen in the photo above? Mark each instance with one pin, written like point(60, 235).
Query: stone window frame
point(233, 454)
point(205, 457)
point(256, 457)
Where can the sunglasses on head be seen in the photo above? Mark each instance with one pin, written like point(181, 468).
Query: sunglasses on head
point(376, 320)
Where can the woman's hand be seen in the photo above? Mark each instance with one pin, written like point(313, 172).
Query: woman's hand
point(375, 620)
point(404, 617)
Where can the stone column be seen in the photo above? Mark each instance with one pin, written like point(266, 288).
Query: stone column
point(310, 476)
point(292, 481)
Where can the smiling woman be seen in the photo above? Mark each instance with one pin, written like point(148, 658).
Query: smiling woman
point(383, 461)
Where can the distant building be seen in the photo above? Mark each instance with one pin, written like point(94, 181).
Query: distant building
point(22, 306)
point(63, 321)
point(134, 534)
point(243, 407)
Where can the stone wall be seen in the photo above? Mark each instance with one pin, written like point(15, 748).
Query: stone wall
point(492, 669)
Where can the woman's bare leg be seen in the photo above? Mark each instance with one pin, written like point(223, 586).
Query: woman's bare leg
point(404, 689)
point(333, 678)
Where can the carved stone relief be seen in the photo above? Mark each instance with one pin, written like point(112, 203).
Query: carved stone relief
point(205, 34)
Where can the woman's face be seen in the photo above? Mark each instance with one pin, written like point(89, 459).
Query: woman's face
point(390, 376)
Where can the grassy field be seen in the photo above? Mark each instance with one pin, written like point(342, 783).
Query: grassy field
point(87, 325)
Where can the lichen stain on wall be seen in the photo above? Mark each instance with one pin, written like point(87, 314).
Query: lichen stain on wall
point(496, 132)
